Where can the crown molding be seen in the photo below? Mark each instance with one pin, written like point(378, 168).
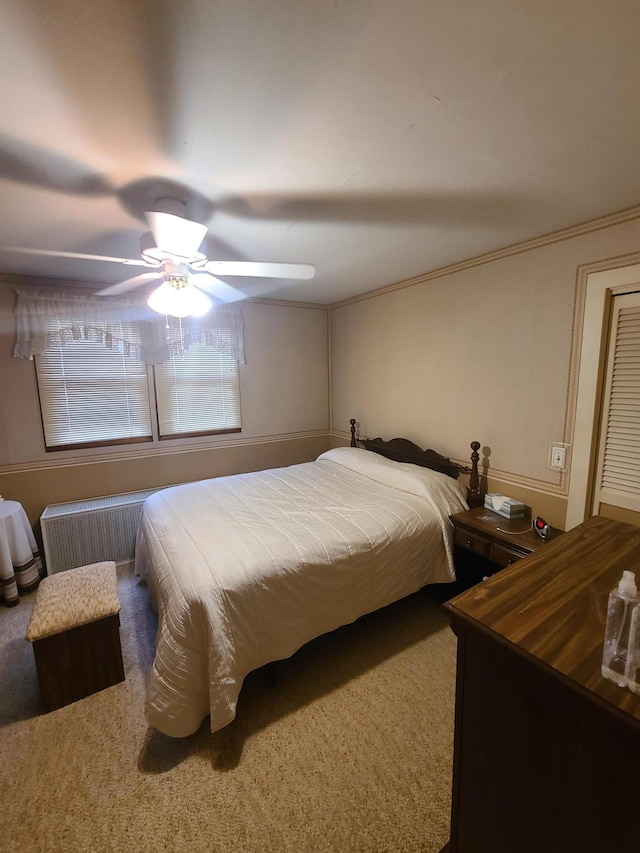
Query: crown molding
point(588, 227)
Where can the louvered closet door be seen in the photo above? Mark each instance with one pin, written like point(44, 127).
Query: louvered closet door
point(618, 471)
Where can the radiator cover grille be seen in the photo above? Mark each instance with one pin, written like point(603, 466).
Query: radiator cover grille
point(90, 531)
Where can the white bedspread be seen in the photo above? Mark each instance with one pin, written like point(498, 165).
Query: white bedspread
point(244, 570)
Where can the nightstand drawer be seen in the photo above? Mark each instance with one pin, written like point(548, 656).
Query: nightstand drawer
point(473, 542)
point(503, 556)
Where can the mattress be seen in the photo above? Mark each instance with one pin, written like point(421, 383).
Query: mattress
point(244, 570)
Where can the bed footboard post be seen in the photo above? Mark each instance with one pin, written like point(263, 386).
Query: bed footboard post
point(353, 432)
point(474, 478)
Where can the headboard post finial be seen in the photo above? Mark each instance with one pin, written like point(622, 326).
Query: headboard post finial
point(353, 432)
point(474, 478)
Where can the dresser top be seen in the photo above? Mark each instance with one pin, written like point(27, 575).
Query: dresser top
point(553, 605)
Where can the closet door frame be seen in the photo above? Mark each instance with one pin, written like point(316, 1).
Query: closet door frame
point(600, 286)
point(612, 474)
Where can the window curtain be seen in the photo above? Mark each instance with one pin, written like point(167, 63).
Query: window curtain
point(45, 320)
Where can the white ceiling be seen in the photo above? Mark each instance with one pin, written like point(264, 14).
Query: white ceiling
point(375, 139)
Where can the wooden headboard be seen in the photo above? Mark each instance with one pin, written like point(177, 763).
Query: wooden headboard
point(403, 450)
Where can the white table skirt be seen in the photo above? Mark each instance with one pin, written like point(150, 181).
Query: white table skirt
point(20, 563)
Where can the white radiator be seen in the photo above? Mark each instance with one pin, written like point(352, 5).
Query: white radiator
point(81, 532)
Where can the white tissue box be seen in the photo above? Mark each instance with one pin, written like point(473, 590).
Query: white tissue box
point(504, 506)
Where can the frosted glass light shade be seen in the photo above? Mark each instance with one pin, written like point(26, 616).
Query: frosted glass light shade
point(186, 301)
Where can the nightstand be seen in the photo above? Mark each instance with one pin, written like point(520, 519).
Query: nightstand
point(485, 542)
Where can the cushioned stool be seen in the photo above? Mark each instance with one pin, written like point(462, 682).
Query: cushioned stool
point(74, 628)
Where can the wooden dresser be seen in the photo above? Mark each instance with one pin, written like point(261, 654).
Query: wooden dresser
point(547, 752)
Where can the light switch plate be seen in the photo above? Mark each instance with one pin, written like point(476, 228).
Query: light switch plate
point(558, 456)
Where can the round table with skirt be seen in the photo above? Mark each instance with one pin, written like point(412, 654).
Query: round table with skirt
point(20, 563)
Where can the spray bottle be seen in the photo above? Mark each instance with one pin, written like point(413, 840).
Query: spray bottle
point(633, 654)
point(616, 642)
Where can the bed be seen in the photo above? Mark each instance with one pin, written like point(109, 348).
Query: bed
point(244, 570)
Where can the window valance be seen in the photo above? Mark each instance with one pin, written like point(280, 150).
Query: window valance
point(47, 320)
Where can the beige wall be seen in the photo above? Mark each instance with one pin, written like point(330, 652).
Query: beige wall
point(284, 389)
point(485, 352)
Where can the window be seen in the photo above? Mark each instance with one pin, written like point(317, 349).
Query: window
point(198, 393)
point(92, 395)
point(94, 358)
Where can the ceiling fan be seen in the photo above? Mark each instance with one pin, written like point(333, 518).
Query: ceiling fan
point(172, 251)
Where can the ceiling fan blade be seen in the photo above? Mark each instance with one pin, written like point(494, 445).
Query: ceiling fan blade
point(175, 235)
point(47, 253)
point(218, 289)
point(261, 270)
point(129, 284)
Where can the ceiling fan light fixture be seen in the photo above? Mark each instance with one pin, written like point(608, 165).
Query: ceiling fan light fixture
point(176, 297)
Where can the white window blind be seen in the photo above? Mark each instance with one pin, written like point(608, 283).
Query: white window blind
point(198, 393)
point(91, 395)
point(619, 456)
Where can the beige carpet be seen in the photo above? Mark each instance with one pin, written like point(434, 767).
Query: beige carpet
point(351, 751)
